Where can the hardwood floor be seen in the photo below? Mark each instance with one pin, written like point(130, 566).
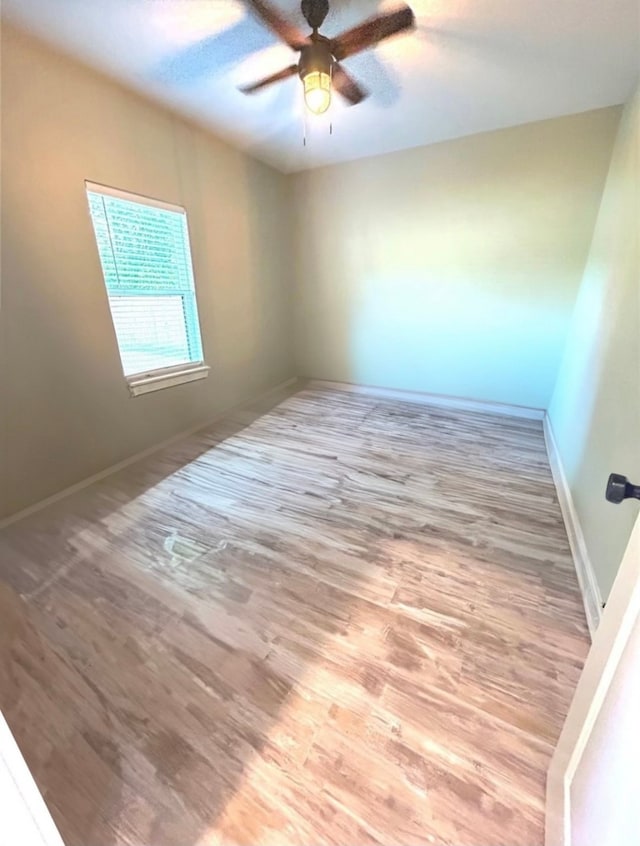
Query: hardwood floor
point(354, 621)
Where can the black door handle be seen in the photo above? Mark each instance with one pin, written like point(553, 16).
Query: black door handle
point(619, 488)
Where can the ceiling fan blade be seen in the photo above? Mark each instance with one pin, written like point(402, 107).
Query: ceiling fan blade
point(285, 73)
point(371, 32)
point(288, 32)
point(347, 86)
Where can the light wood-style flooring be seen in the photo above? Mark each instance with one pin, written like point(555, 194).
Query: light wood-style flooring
point(353, 621)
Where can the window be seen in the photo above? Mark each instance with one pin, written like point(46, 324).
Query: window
point(146, 262)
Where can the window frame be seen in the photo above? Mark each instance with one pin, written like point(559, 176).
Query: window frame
point(160, 377)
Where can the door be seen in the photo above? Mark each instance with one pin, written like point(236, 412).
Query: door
point(25, 818)
point(592, 783)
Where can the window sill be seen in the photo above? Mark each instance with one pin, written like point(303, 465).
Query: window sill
point(147, 382)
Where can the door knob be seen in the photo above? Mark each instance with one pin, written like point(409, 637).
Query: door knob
point(619, 488)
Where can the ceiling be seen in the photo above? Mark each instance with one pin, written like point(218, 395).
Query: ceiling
point(470, 66)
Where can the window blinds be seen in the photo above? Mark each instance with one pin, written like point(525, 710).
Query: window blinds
point(146, 263)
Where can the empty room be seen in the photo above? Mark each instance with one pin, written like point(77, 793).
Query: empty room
point(320, 423)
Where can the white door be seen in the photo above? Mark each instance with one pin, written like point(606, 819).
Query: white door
point(593, 783)
point(24, 817)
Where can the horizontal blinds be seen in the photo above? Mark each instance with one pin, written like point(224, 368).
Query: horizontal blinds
point(146, 263)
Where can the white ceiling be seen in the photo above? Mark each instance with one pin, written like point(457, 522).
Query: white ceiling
point(470, 66)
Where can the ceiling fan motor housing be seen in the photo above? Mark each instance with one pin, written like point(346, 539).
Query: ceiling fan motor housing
point(315, 11)
point(315, 57)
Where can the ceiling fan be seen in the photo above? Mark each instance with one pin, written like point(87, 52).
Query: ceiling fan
point(319, 65)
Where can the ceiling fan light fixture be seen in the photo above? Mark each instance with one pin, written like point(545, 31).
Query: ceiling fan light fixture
point(317, 91)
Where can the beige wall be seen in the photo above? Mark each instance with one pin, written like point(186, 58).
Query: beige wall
point(452, 268)
point(64, 406)
point(595, 412)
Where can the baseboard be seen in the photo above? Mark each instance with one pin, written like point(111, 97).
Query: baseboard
point(439, 400)
point(138, 456)
point(591, 596)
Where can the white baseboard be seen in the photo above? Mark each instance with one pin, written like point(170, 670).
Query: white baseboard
point(591, 596)
point(145, 453)
point(432, 399)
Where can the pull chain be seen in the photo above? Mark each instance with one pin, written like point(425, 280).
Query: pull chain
point(304, 125)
